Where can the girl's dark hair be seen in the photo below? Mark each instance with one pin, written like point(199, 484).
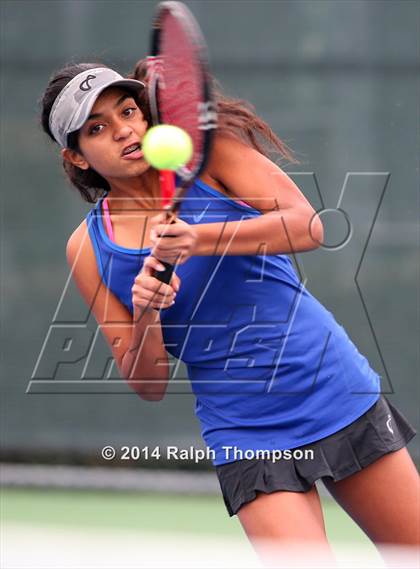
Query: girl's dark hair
point(89, 183)
point(236, 118)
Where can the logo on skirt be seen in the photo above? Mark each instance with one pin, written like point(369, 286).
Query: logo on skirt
point(388, 424)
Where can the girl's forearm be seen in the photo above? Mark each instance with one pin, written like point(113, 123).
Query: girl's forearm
point(145, 363)
point(287, 231)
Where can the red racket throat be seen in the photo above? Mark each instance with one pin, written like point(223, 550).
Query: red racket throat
point(167, 186)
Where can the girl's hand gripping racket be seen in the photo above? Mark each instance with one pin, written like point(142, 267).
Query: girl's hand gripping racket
point(180, 95)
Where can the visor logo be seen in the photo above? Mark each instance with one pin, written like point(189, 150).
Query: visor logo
point(84, 85)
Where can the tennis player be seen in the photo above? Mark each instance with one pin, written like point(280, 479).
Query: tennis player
point(271, 368)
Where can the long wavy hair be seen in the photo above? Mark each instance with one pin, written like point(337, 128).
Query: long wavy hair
point(236, 118)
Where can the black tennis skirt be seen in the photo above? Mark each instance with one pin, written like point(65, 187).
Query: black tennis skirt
point(380, 430)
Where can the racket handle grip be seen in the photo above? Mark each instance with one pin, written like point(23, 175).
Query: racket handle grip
point(164, 276)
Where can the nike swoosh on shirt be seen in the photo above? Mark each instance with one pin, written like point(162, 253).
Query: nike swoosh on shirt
point(199, 217)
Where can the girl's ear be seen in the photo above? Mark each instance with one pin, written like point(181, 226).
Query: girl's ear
point(74, 158)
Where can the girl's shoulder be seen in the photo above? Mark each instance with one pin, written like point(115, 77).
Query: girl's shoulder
point(79, 251)
point(226, 151)
point(79, 233)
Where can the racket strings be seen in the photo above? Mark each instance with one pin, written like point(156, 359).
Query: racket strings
point(181, 96)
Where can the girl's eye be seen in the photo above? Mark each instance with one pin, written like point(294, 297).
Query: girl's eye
point(95, 129)
point(129, 111)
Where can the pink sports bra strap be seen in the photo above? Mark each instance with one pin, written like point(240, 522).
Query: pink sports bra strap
point(243, 203)
point(108, 223)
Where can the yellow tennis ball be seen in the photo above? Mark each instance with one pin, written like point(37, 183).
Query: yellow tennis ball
point(167, 147)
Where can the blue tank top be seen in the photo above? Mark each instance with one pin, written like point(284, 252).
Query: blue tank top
point(269, 365)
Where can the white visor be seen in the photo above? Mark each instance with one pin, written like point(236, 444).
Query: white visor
point(72, 107)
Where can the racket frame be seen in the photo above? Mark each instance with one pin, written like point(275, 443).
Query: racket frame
point(207, 116)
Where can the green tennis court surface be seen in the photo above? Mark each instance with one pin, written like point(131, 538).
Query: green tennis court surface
point(63, 529)
point(145, 512)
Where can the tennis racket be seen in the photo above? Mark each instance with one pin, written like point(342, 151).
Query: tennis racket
point(179, 90)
